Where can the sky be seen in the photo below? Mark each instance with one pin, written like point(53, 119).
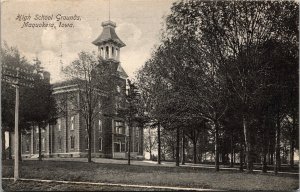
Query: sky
point(138, 25)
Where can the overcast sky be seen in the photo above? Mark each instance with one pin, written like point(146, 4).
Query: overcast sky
point(138, 26)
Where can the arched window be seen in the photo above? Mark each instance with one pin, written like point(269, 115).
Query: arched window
point(106, 51)
point(112, 51)
point(86, 142)
point(72, 142)
point(37, 145)
point(102, 52)
point(100, 125)
point(43, 144)
point(72, 122)
point(117, 53)
point(27, 145)
point(59, 143)
point(100, 143)
point(59, 124)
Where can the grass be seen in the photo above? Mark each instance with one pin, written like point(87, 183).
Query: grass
point(152, 175)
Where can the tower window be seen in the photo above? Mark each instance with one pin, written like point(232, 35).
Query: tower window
point(106, 51)
point(101, 51)
point(117, 52)
point(112, 51)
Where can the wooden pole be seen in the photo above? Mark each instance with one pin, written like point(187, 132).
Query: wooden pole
point(16, 168)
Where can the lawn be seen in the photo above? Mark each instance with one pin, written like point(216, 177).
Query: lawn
point(151, 175)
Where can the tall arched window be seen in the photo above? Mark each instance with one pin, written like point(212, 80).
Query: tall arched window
point(100, 143)
point(86, 142)
point(43, 144)
point(72, 142)
point(106, 52)
point(100, 125)
point(72, 122)
point(59, 143)
point(112, 52)
point(102, 52)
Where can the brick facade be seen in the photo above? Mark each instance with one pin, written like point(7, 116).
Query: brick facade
point(68, 137)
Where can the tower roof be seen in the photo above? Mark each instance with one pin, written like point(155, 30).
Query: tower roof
point(108, 34)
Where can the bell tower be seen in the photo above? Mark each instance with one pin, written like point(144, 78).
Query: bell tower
point(108, 42)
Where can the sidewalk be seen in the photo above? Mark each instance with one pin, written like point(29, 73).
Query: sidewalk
point(119, 185)
point(152, 163)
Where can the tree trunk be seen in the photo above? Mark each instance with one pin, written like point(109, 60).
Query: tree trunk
point(248, 146)
point(292, 146)
point(9, 145)
point(90, 143)
point(150, 143)
point(277, 146)
point(183, 149)
point(241, 158)
point(217, 164)
point(177, 146)
point(3, 145)
point(266, 136)
point(158, 145)
point(40, 143)
point(67, 122)
point(194, 150)
point(264, 163)
point(231, 154)
point(292, 143)
point(129, 142)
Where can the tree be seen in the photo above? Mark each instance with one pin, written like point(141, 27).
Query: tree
point(82, 71)
point(235, 32)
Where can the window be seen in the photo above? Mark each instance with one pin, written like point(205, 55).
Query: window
point(119, 127)
point(59, 124)
point(72, 142)
point(117, 52)
point(101, 52)
point(106, 52)
point(86, 142)
point(43, 144)
point(27, 145)
point(137, 131)
point(37, 145)
point(136, 147)
point(100, 144)
point(72, 123)
point(59, 143)
point(112, 51)
point(100, 125)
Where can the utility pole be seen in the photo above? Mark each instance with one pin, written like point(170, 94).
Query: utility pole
point(16, 169)
point(12, 76)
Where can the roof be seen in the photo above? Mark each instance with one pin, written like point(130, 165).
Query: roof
point(108, 34)
point(122, 72)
